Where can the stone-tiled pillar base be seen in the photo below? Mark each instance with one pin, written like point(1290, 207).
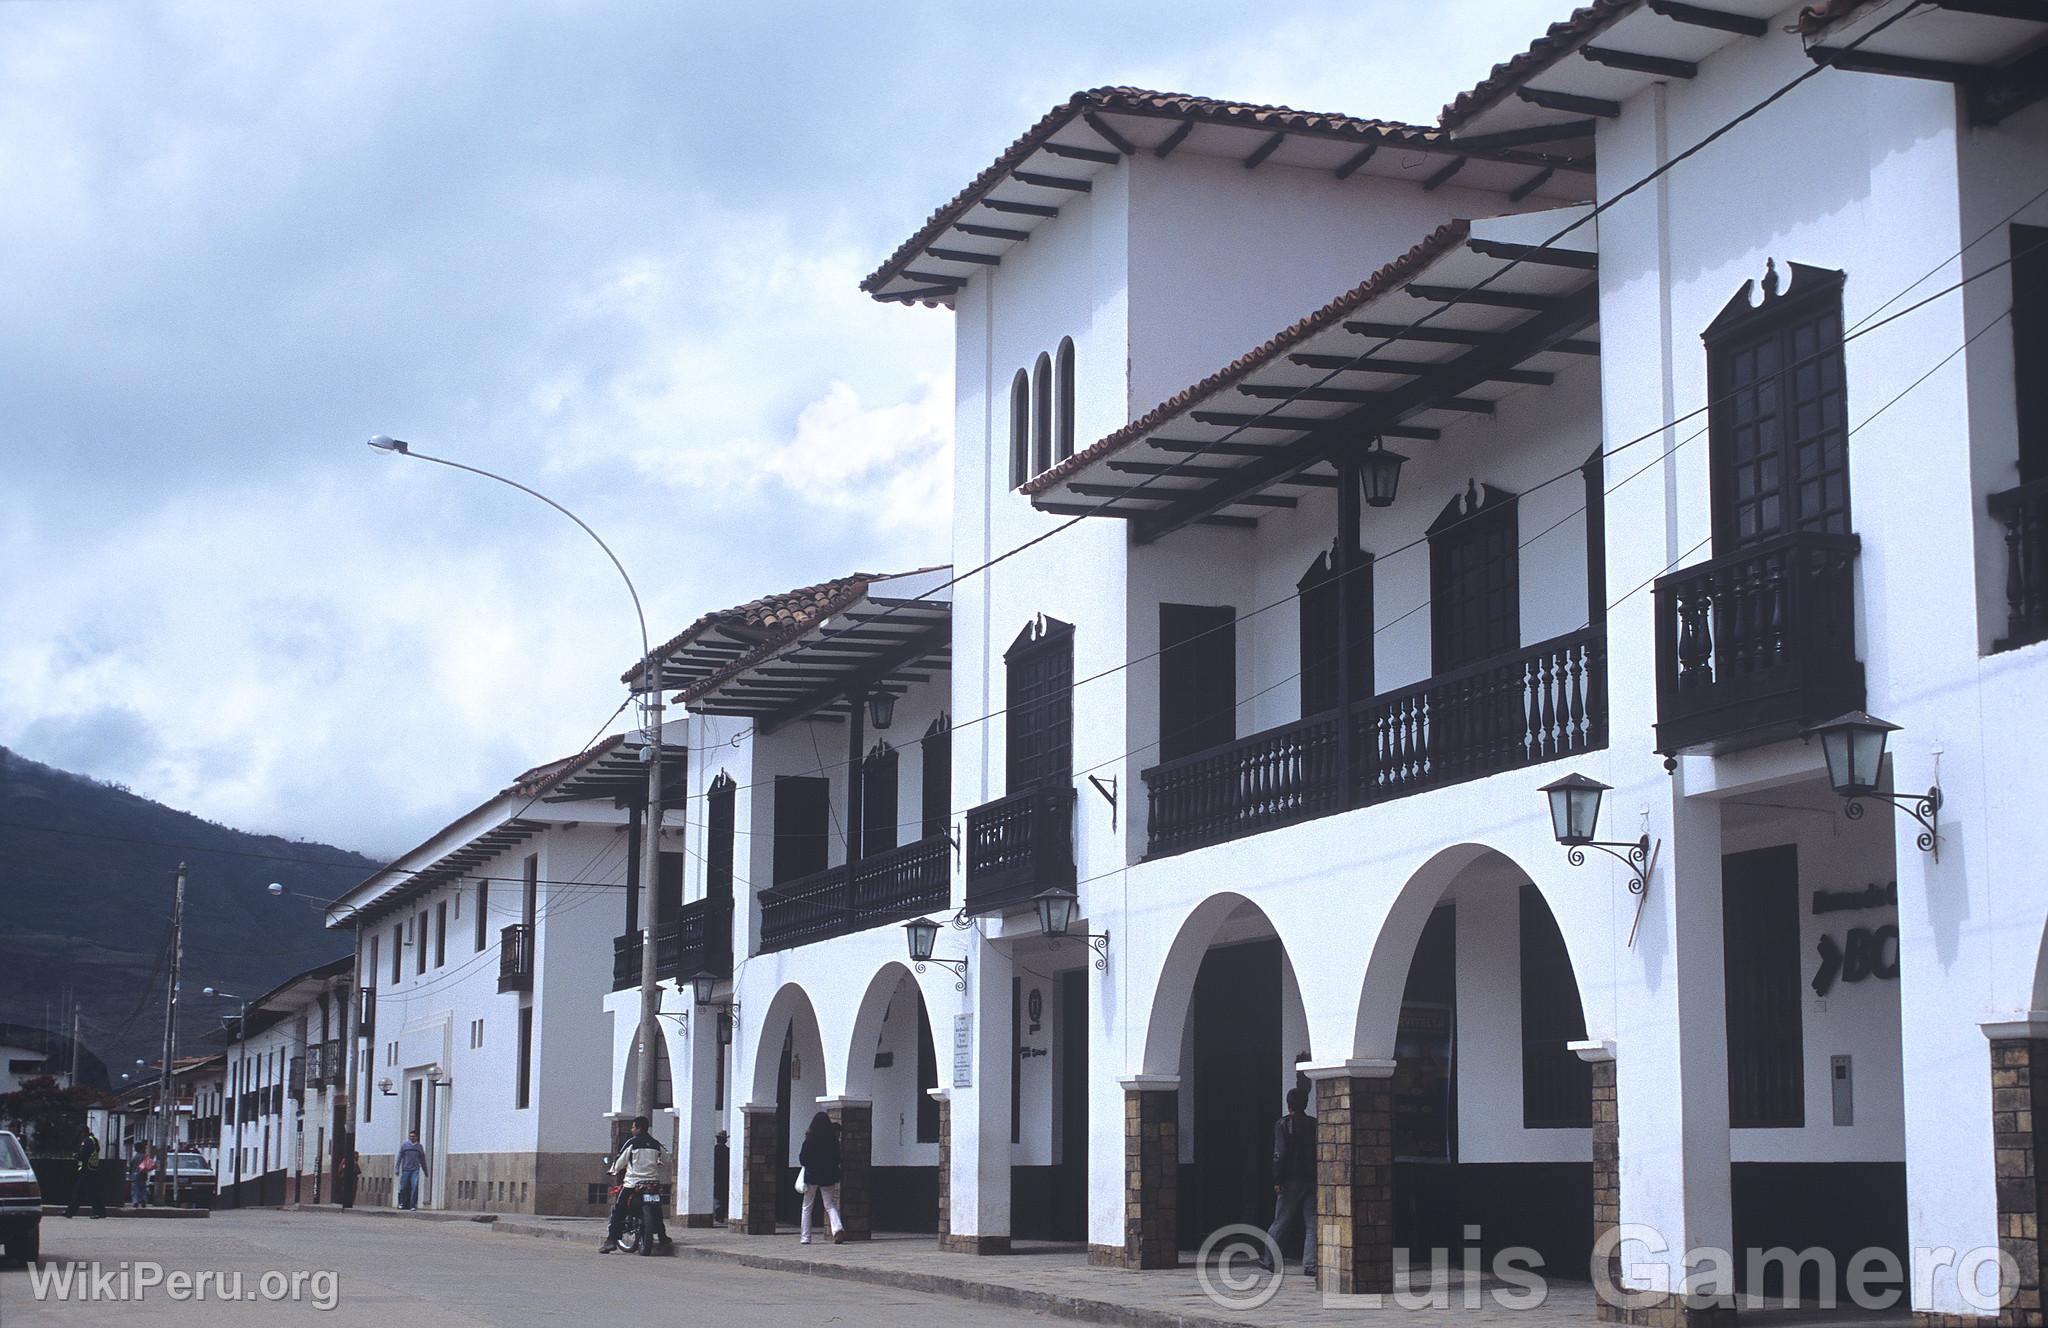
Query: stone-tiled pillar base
point(1355, 1176)
point(945, 1101)
point(760, 1170)
point(2017, 1114)
point(1151, 1176)
point(855, 1118)
point(1606, 1151)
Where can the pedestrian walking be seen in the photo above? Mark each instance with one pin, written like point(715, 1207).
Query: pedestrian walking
point(346, 1176)
point(138, 1181)
point(638, 1168)
point(819, 1159)
point(1294, 1180)
point(87, 1182)
point(412, 1164)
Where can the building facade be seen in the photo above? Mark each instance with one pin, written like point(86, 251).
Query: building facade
point(274, 1113)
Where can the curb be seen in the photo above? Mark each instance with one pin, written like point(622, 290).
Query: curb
point(416, 1215)
point(57, 1211)
point(1083, 1308)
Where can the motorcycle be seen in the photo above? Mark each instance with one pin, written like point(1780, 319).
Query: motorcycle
point(643, 1231)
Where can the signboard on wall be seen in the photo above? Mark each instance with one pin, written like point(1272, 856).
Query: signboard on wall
point(963, 1051)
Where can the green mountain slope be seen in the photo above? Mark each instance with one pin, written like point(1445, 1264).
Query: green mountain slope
point(86, 873)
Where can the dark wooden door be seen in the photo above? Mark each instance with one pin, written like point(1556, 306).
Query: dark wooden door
point(1070, 1187)
point(1761, 961)
point(1237, 1085)
point(2030, 347)
point(802, 823)
point(1197, 678)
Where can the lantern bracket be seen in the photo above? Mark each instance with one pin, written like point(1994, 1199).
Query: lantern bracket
point(957, 966)
point(1108, 793)
point(1636, 856)
point(1098, 941)
point(1924, 808)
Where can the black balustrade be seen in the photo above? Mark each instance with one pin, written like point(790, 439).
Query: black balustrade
point(1757, 645)
point(1538, 704)
point(697, 942)
point(888, 887)
point(2024, 514)
point(515, 958)
point(1019, 845)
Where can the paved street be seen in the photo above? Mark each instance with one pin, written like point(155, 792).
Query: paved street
point(441, 1274)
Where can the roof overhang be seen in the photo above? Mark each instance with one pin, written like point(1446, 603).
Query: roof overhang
point(1995, 51)
point(1063, 156)
point(1440, 334)
point(895, 634)
point(1553, 96)
point(616, 771)
point(390, 886)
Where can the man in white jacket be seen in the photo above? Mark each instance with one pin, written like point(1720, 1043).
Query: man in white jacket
point(639, 1168)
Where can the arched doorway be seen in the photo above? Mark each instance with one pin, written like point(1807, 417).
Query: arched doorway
point(789, 1073)
point(892, 1065)
point(1470, 993)
point(1228, 1022)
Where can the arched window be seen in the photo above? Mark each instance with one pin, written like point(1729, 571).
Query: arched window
point(1020, 429)
point(1041, 414)
point(1063, 400)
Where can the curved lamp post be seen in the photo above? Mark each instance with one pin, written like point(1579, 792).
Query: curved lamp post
point(648, 693)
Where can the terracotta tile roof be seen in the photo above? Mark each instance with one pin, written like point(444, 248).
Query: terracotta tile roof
point(1815, 17)
point(844, 593)
point(770, 615)
point(1141, 101)
point(545, 776)
point(1440, 241)
point(1559, 41)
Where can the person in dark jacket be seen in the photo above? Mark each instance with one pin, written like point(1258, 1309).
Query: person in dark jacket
point(1294, 1178)
point(87, 1186)
point(819, 1158)
point(346, 1176)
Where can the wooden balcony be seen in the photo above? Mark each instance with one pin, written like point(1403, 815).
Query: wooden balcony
point(2024, 513)
point(515, 958)
point(888, 887)
point(697, 942)
point(1757, 645)
point(1542, 703)
point(1018, 846)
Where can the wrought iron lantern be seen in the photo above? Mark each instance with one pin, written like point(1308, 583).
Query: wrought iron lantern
point(1379, 474)
point(1853, 746)
point(1056, 908)
point(922, 933)
point(1575, 819)
point(705, 988)
point(881, 709)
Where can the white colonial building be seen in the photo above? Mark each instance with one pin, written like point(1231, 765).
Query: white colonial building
point(272, 1110)
point(1704, 446)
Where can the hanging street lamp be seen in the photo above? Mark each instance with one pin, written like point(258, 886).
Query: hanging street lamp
point(1379, 474)
point(1575, 819)
point(1853, 745)
point(922, 933)
point(881, 709)
point(1056, 909)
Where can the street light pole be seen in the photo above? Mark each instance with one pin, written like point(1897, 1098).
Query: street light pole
point(648, 694)
point(166, 1084)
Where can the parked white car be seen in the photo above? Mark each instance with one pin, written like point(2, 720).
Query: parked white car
point(21, 1202)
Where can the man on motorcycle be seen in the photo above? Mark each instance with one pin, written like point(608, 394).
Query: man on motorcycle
point(639, 1167)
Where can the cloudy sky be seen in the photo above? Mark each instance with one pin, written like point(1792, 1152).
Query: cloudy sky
point(609, 248)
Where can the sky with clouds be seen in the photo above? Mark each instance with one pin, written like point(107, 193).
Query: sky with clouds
point(608, 248)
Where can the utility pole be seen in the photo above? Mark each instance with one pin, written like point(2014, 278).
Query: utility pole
point(74, 1046)
point(166, 1087)
point(650, 880)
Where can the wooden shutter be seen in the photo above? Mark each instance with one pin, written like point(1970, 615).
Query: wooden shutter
point(802, 816)
point(1039, 718)
point(1197, 678)
point(1475, 579)
point(2030, 347)
point(1760, 949)
point(719, 836)
point(937, 790)
point(878, 800)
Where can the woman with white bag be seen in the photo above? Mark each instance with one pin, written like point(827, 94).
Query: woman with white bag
point(819, 1177)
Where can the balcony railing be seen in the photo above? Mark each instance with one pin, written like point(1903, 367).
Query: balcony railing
point(1541, 703)
point(1018, 846)
point(1756, 645)
point(324, 1065)
point(888, 887)
point(515, 958)
point(694, 943)
point(295, 1078)
point(2024, 512)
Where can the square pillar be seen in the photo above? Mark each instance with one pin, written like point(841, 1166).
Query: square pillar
point(1355, 1176)
point(760, 1169)
point(978, 1118)
point(855, 1118)
point(2019, 1099)
point(945, 1101)
point(697, 1117)
point(1151, 1176)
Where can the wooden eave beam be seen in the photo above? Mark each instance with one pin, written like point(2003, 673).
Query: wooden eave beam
point(1265, 150)
point(1037, 181)
point(1699, 16)
point(1350, 396)
point(1443, 176)
point(2021, 11)
point(965, 256)
point(1899, 66)
point(1231, 419)
point(899, 656)
point(1661, 66)
point(1352, 363)
point(1356, 160)
point(1515, 138)
point(1485, 297)
point(1183, 470)
point(1020, 209)
point(1087, 490)
point(1232, 522)
point(991, 232)
point(1172, 141)
point(1570, 103)
point(1531, 185)
point(2013, 88)
point(1576, 259)
point(1579, 310)
point(1110, 135)
point(1054, 507)
point(933, 293)
point(1221, 447)
point(1096, 155)
point(936, 278)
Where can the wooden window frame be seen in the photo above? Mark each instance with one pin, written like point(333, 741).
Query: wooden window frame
point(1480, 515)
point(1317, 613)
point(1020, 429)
point(1063, 400)
point(1041, 657)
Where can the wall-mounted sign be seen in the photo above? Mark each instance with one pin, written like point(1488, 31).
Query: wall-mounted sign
point(1034, 1007)
point(1884, 895)
point(963, 1051)
point(1867, 952)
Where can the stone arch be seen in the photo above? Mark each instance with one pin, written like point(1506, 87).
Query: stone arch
point(790, 1013)
point(867, 1025)
point(664, 1063)
point(1173, 994)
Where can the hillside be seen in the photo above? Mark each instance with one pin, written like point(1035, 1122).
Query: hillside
point(86, 873)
